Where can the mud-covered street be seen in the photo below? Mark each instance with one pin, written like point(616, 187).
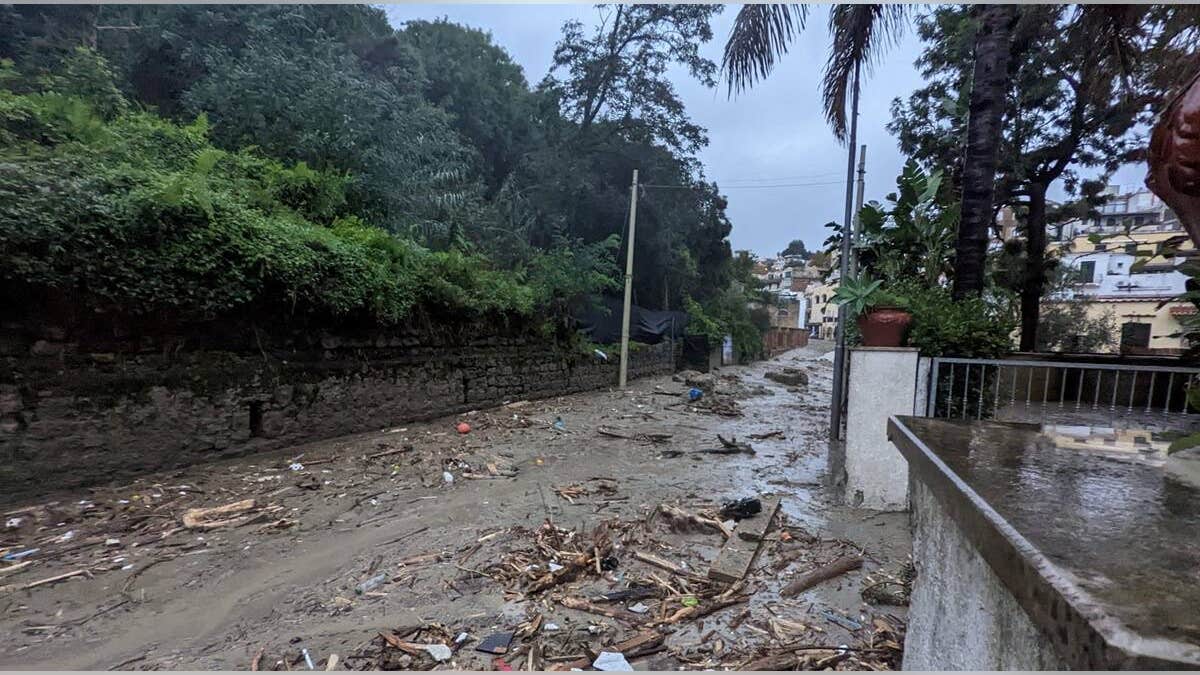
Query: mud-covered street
point(374, 546)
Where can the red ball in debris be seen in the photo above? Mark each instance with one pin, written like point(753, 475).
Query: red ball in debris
point(463, 428)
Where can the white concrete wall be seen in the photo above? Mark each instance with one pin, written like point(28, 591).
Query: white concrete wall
point(960, 616)
point(882, 383)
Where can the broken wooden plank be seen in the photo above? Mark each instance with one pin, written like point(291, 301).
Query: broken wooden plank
point(629, 595)
point(667, 565)
point(834, 569)
point(14, 568)
point(756, 526)
point(701, 610)
point(643, 640)
point(206, 518)
point(738, 553)
point(41, 582)
point(620, 614)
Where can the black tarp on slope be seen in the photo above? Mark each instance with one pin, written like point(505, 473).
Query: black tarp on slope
point(603, 325)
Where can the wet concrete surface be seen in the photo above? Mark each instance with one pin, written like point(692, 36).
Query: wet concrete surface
point(1097, 542)
point(191, 599)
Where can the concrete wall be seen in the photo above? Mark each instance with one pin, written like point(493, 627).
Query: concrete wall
point(882, 383)
point(778, 340)
point(960, 616)
point(70, 417)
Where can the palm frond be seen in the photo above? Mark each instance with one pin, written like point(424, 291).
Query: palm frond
point(761, 35)
point(1115, 29)
point(860, 35)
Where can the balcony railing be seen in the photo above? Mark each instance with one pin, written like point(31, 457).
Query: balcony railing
point(1097, 394)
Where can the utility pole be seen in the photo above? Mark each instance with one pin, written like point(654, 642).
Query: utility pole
point(858, 203)
point(633, 195)
point(839, 349)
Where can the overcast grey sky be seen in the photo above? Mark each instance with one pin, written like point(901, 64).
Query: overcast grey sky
point(774, 134)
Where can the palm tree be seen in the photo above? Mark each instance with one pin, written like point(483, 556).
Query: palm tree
point(989, 86)
point(761, 35)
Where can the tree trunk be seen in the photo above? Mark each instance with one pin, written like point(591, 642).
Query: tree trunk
point(990, 84)
point(1035, 263)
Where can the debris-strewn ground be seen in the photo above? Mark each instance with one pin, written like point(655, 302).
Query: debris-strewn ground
point(551, 534)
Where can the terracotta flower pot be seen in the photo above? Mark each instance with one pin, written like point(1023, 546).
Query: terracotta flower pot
point(883, 326)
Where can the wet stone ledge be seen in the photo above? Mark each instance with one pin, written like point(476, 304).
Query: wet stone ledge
point(1049, 547)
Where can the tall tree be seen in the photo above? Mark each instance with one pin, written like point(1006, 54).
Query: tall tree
point(762, 33)
point(860, 33)
point(618, 71)
point(478, 83)
point(1068, 105)
point(796, 247)
point(986, 108)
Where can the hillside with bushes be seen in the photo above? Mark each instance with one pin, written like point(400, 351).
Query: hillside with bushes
point(307, 165)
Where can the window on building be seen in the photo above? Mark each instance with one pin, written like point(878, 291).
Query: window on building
point(1086, 272)
point(1101, 246)
point(1131, 249)
point(1135, 334)
point(1109, 222)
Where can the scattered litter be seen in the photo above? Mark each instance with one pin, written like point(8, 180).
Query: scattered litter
point(741, 508)
point(439, 652)
point(500, 665)
point(600, 355)
point(371, 584)
point(559, 424)
point(554, 567)
point(612, 662)
point(639, 608)
point(689, 601)
point(848, 624)
point(112, 542)
point(13, 522)
point(695, 394)
point(550, 626)
point(297, 466)
point(307, 659)
point(17, 555)
point(66, 536)
point(463, 428)
point(447, 477)
point(496, 643)
point(769, 434)
point(207, 518)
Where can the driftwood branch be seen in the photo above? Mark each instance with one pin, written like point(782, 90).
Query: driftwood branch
point(834, 569)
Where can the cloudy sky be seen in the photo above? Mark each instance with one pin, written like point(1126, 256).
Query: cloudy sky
point(774, 135)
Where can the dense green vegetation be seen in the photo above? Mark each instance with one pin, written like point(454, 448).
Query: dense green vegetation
point(201, 162)
point(905, 251)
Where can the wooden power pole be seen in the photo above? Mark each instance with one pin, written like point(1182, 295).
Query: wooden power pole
point(633, 195)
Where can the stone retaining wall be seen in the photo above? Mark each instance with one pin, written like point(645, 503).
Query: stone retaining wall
point(70, 417)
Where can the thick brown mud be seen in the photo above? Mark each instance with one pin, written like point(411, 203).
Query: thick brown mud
point(210, 599)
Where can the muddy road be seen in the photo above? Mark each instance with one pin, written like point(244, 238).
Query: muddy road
point(151, 589)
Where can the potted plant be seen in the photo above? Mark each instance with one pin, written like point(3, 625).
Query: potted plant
point(881, 316)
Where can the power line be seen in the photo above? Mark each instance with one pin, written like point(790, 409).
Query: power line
point(782, 185)
point(778, 178)
point(742, 187)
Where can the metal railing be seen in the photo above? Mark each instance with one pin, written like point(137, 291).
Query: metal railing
point(1107, 394)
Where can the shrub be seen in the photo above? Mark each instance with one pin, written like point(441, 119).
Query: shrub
point(133, 214)
point(943, 326)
